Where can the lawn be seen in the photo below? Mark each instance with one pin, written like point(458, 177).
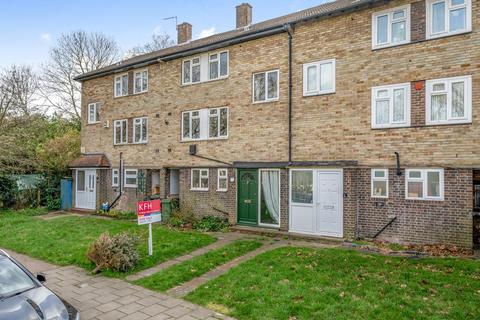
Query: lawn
point(306, 283)
point(195, 267)
point(65, 240)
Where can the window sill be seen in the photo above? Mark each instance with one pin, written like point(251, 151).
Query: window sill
point(390, 45)
point(198, 189)
point(425, 199)
point(208, 139)
point(222, 190)
point(379, 197)
point(130, 187)
point(447, 123)
point(206, 81)
point(314, 94)
point(447, 34)
point(390, 126)
point(137, 93)
point(93, 123)
point(266, 101)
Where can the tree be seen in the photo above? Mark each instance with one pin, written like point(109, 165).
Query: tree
point(55, 154)
point(158, 42)
point(74, 54)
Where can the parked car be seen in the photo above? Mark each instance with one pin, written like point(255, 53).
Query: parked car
point(24, 297)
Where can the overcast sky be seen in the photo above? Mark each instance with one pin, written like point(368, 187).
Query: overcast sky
point(29, 28)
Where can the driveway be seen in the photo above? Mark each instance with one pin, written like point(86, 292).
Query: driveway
point(104, 298)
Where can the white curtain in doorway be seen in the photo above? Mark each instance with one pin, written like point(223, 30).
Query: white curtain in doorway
point(271, 193)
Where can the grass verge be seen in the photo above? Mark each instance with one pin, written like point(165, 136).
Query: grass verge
point(65, 240)
point(307, 283)
point(195, 267)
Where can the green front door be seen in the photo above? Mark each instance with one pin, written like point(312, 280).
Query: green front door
point(247, 199)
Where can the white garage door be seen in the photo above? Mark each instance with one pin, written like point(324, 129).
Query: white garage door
point(316, 202)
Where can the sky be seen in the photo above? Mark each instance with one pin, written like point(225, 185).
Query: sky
point(30, 28)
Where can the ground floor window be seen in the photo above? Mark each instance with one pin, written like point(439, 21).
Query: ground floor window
point(380, 183)
point(130, 178)
point(114, 177)
point(222, 180)
point(199, 179)
point(269, 197)
point(424, 184)
point(302, 186)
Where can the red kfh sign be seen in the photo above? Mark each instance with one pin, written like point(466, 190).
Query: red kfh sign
point(149, 211)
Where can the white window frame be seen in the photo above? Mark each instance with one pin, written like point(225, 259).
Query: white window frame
point(119, 79)
point(448, 8)
point(374, 179)
point(390, 89)
point(423, 179)
point(259, 197)
point(267, 99)
point(218, 66)
point(200, 170)
point(467, 95)
point(135, 120)
point(96, 106)
point(389, 13)
point(115, 175)
point(204, 116)
point(140, 74)
point(204, 63)
point(118, 123)
point(125, 176)
point(318, 65)
point(224, 176)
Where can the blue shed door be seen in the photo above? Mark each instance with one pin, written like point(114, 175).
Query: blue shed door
point(66, 193)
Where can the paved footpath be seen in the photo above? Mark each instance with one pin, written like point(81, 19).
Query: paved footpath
point(102, 298)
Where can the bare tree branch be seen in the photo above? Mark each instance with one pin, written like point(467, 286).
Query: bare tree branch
point(158, 42)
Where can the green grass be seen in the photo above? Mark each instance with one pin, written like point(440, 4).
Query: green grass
point(307, 283)
point(195, 267)
point(65, 240)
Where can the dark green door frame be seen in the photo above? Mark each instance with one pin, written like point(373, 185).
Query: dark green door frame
point(247, 197)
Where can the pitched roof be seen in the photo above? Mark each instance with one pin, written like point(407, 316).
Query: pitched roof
point(241, 34)
point(90, 161)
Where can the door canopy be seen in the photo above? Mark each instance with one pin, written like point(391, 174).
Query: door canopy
point(98, 160)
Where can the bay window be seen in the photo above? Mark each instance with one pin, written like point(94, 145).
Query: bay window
point(446, 17)
point(319, 77)
point(424, 184)
point(391, 106)
point(265, 86)
point(449, 100)
point(140, 130)
point(199, 179)
point(391, 27)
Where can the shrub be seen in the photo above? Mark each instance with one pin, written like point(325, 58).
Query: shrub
point(8, 191)
point(117, 253)
point(182, 218)
point(211, 224)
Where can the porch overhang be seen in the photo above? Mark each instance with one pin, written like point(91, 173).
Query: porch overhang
point(97, 160)
point(286, 164)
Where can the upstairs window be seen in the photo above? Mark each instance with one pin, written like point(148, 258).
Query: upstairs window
point(449, 100)
point(130, 178)
point(391, 106)
point(265, 86)
point(222, 180)
point(141, 81)
point(391, 27)
point(319, 77)
point(424, 184)
point(199, 179)
point(446, 17)
point(379, 183)
point(93, 113)
point(121, 85)
point(218, 65)
point(205, 124)
point(208, 66)
point(120, 131)
point(140, 130)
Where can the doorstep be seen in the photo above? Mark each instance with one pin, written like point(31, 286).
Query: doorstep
point(285, 234)
point(81, 211)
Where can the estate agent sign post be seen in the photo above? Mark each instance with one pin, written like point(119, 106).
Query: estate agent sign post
point(149, 212)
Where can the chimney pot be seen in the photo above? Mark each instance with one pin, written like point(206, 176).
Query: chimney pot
point(244, 15)
point(184, 32)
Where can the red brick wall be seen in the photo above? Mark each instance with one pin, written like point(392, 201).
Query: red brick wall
point(417, 103)
point(418, 16)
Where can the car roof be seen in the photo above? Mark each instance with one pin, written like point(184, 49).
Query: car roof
point(4, 253)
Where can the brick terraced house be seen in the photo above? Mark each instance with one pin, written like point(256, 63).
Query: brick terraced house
point(344, 120)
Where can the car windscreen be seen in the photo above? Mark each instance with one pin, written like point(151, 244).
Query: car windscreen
point(12, 279)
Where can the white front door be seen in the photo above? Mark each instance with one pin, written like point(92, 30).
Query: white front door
point(85, 197)
point(316, 202)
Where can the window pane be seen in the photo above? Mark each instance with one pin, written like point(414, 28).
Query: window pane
point(458, 108)
point(382, 94)
point(196, 73)
point(399, 14)
point(186, 71)
point(398, 105)
point(415, 174)
point(272, 85)
point(118, 88)
point(312, 78)
point(223, 122)
point(457, 19)
point(382, 29)
point(439, 107)
point(144, 129)
point(138, 82)
point(457, 2)
point(124, 131)
point(379, 174)
point(379, 188)
point(433, 184)
point(144, 80)
point(438, 17)
point(81, 180)
point(326, 83)
point(97, 112)
point(223, 64)
point(439, 87)
point(118, 135)
point(91, 113)
point(222, 183)
point(269, 197)
point(382, 116)
point(204, 182)
point(415, 189)
point(213, 126)
point(214, 70)
point(186, 125)
point(195, 128)
point(125, 85)
point(399, 32)
point(196, 179)
point(302, 186)
point(138, 129)
point(131, 181)
point(259, 87)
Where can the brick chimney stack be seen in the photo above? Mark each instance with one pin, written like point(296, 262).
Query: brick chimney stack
point(244, 15)
point(184, 32)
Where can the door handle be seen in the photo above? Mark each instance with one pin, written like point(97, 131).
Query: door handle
point(247, 201)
